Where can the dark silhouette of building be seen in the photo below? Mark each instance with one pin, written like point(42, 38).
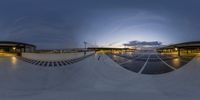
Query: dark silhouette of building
point(16, 47)
point(186, 47)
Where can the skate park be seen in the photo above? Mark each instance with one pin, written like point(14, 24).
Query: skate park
point(92, 77)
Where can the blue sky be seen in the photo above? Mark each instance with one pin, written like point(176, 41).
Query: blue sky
point(67, 23)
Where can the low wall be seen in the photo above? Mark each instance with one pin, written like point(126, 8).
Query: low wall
point(53, 56)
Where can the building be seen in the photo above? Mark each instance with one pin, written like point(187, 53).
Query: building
point(16, 47)
point(186, 47)
point(113, 50)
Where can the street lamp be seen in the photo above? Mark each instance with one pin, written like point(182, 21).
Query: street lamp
point(85, 43)
point(14, 48)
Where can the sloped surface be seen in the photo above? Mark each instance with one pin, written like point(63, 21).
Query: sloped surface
point(95, 79)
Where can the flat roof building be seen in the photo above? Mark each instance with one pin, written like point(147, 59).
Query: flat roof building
point(186, 47)
point(108, 49)
point(16, 47)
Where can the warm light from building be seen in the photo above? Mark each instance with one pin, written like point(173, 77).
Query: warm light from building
point(176, 49)
point(13, 60)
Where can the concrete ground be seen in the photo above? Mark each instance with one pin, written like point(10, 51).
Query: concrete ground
point(93, 79)
point(151, 63)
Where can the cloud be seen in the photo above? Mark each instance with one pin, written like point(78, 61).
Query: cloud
point(143, 43)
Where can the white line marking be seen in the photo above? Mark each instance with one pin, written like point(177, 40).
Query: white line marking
point(166, 63)
point(140, 55)
point(144, 65)
point(128, 61)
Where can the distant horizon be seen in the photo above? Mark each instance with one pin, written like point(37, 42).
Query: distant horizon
point(106, 46)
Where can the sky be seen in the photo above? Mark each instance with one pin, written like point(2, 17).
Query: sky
point(53, 24)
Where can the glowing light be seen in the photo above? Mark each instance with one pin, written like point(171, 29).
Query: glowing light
point(177, 59)
point(7, 54)
point(176, 62)
point(176, 49)
point(14, 60)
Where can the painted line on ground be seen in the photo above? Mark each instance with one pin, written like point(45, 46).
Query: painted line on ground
point(144, 65)
point(128, 60)
point(166, 63)
point(125, 62)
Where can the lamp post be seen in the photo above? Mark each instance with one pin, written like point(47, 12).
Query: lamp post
point(178, 50)
point(85, 44)
point(14, 49)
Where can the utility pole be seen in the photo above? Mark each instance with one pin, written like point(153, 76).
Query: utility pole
point(85, 44)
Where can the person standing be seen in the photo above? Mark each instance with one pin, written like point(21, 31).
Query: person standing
point(99, 57)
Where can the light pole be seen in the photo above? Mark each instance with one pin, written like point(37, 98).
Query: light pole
point(85, 44)
point(14, 49)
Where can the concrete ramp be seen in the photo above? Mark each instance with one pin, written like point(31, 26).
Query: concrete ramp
point(95, 78)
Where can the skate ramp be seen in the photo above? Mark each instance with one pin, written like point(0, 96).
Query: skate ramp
point(95, 79)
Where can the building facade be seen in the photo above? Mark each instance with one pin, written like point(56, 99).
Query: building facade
point(16, 47)
point(186, 47)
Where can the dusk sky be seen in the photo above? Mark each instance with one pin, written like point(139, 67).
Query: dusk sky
point(68, 23)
